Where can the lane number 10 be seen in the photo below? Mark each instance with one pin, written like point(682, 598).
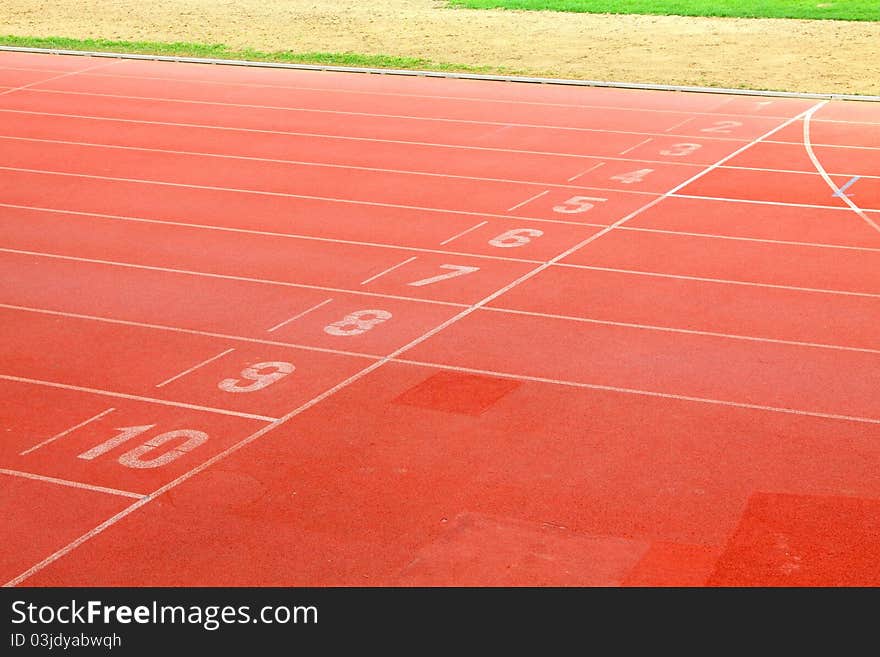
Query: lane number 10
point(135, 458)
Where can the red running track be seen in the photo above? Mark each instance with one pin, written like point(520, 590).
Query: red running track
point(275, 327)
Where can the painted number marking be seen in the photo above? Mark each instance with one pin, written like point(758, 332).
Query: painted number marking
point(134, 458)
point(578, 204)
point(515, 238)
point(357, 322)
point(680, 150)
point(457, 270)
point(260, 378)
point(723, 126)
point(633, 176)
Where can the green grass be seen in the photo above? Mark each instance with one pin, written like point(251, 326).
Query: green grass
point(220, 51)
point(849, 10)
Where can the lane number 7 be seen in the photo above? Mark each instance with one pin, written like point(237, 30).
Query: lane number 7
point(456, 270)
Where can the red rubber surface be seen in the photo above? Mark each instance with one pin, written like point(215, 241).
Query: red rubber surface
point(274, 327)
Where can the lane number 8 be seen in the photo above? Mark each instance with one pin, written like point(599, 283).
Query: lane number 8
point(357, 322)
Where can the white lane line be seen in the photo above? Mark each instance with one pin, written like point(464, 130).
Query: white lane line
point(679, 124)
point(399, 117)
point(307, 163)
point(385, 271)
point(725, 281)
point(760, 240)
point(826, 146)
point(583, 173)
point(323, 135)
point(624, 108)
point(502, 310)
point(777, 203)
point(66, 432)
point(632, 148)
point(528, 200)
point(292, 236)
point(434, 118)
point(406, 142)
point(194, 368)
point(122, 395)
point(228, 277)
point(816, 163)
point(451, 304)
point(798, 172)
point(334, 166)
point(185, 331)
point(296, 317)
point(463, 233)
point(57, 77)
point(398, 247)
point(496, 309)
point(40, 69)
point(71, 484)
point(295, 235)
point(646, 393)
point(629, 108)
point(672, 329)
point(259, 192)
point(398, 94)
point(343, 384)
point(846, 122)
point(338, 165)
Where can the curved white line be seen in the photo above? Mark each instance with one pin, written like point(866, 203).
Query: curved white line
point(816, 163)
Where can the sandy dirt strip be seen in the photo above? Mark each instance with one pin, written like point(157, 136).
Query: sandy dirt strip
point(791, 55)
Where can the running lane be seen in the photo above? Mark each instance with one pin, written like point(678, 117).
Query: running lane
point(387, 330)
